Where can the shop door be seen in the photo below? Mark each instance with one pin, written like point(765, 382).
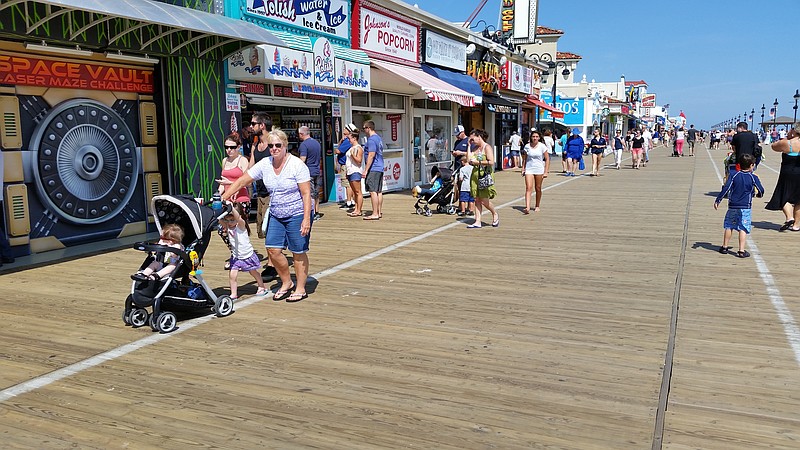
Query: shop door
point(418, 139)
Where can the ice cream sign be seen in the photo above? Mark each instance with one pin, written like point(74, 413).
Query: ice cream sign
point(393, 38)
point(323, 63)
point(268, 62)
point(328, 17)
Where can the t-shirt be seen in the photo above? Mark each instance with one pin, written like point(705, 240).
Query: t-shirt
point(462, 145)
point(515, 141)
point(637, 142)
point(374, 145)
point(261, 190)
point(286, 199)
point(549, 142)
point(744, 142)
point(465, 172)
point(563, 142)
point(598, 141)
point(692, 134)
point(344, 146)
point(647, 136)
point(312, 150)
point(534, 159)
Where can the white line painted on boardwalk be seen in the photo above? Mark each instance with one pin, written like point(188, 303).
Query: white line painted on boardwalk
point(80, 366)
point(790, 327)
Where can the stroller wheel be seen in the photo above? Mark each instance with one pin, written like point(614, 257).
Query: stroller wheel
point(166, 322)
point(428, 213)
point(125, 318)
point(451, 210)
point(420, 211)
point(138, 317)
point(440, 209)
point(223, 306)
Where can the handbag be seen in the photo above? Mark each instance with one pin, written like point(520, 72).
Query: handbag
point(485, 180)
point(581, 165)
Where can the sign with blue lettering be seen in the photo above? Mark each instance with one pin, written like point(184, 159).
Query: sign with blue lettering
point(571, 107)
point(314, 17)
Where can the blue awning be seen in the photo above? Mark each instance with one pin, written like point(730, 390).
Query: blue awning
point(457, 79)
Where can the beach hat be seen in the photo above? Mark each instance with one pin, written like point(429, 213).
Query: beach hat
point(576, 131)
point(458, 130)
point(351, 128)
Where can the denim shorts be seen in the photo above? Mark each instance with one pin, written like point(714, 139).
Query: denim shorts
point(355, 176)
point(285, 233)
point(738, 220)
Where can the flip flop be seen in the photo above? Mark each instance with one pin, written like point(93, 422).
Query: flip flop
point(371, 218)
point(473, 226)
point(786, 225)
point(352, 214)
point(282, 295)
point(296, 297)
point(724, 250)
point(526, 211)
point(745, 254)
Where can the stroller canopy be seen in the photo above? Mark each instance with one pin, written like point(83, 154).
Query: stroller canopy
point(195, 219)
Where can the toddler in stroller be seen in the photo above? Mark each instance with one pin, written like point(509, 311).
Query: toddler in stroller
point(163, 283)
point(439, 194)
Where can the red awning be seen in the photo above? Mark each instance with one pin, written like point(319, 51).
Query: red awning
point(556, 113)
point(433, 87)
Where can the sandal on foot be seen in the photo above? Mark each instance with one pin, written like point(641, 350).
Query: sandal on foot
point(496, 223)
point(352, 214)
point(786, 225)
point(261, 292)
point(282, 295)
point(296, 297)
point(526, 211)
point(724, 250)
point(139, 276)
point(474, 226)
point(743, 254)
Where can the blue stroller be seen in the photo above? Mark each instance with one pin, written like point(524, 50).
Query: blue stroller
point(176, 291)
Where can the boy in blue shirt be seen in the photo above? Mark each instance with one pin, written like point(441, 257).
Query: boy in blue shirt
point(739, 190)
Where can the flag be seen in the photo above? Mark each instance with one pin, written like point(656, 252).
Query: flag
point(234, 123)
point(682, 114)
point(772, 113)
point(666, 106)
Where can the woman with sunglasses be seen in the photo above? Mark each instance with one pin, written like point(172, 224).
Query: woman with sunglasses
point(233, 167)
point(288, 181)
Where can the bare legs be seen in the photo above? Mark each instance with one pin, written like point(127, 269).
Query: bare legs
point(537, 184)
point(597, 158)
point(355, 187)
point(479, 204)
point(528, 191)
point(377, 200)
point(282, 266)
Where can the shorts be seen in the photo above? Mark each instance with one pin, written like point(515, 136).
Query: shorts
point(315, 184)
point(514, 153)
point(597, 152)
point(738, 220)
point(374, 181)
point(285, 233)
point(247, 264)
point(355, 176)
point(343, 172)
point(637, 151)
point(465, 196)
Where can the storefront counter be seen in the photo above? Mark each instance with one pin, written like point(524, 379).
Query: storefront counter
point(394, 163)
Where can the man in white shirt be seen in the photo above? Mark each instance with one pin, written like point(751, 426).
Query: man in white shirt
point(648, 144)
point(515, 142)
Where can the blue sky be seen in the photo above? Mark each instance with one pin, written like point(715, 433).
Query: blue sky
point(714, 59)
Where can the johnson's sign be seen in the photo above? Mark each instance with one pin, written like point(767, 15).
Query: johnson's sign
point(387, 36)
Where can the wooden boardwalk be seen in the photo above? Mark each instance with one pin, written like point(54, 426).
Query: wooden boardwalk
point(606, 321)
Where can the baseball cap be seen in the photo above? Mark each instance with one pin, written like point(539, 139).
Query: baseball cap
point(576, 131)
point(458, 130)
point(351, 127)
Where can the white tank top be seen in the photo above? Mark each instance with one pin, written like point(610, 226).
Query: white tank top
point(349, 164)
point(242, 248)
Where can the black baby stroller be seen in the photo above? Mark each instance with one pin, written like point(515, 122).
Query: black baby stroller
point(442, 199)
point(176, 291)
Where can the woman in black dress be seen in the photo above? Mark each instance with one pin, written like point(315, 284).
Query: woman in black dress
point(786, 197)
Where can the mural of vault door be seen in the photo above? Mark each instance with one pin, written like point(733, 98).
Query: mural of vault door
point(86, 171)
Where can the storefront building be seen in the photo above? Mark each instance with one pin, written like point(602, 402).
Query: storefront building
point(393, 43)
point(105, 106)
point(308, 80)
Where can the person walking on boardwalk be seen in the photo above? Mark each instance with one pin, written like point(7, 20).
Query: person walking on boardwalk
point(597, 146)
point(739, 190)
point(648, 145)
point(482, 159)
point(373, 170)
point(574, 152)
point(537, 166)
point(289, 183)
point(691, 138)
point(562, 142)
point(637, 149)
point(619, 146)
point(786, 196)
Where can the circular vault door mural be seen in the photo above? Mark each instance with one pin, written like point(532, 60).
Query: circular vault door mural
point(85, 162)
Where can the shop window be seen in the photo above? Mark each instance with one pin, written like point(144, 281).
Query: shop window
point(377, 100)
point(394, 101)
point(437, 139)
point(360, 98)
point(420, 103)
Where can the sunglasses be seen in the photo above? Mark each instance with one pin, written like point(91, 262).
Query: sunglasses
point(255, 123)
point(365, 128)
point(231, 147)
point(276, 145)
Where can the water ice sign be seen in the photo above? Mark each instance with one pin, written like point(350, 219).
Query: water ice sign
point(326, 17)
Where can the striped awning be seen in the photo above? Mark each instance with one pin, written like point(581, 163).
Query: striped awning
point(433, 87)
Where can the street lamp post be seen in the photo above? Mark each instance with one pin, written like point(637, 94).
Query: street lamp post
point(762, 115)
point(553, 70)
point(796, 97)
point(774, 119)
point(752, 118)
